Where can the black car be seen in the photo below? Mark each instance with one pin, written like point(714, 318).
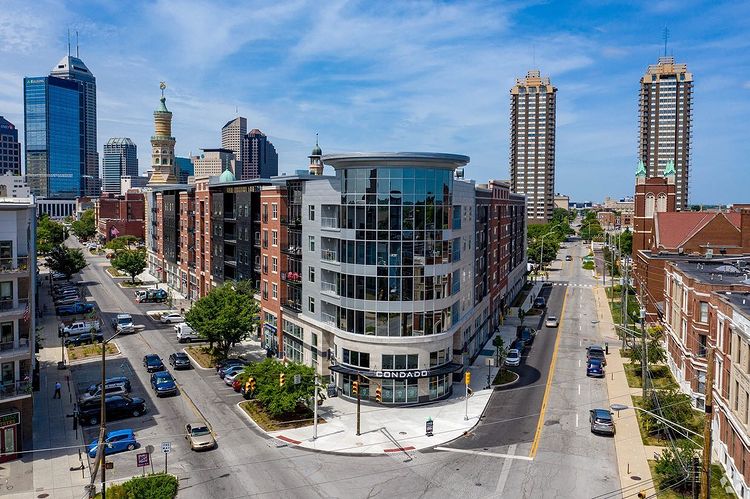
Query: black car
point(84, 339)
point(519, 345)
point(116, 406)
point(540, 302)
point(526, 334)
point(153, 363)
point(179, 360)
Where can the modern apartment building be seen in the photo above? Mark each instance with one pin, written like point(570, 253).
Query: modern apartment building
point(120, 159)
point(212, 162)
point(232, 138)
point(17, 323)
point(532, 144)
point(10, 148)
point(666, 123)
point(259, 157)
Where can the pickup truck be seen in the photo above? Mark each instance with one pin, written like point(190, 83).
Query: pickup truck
point(79, 327)
point(75, 308)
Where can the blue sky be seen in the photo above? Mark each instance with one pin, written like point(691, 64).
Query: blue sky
point(401, 76)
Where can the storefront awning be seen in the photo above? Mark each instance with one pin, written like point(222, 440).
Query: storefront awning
point(398, 374)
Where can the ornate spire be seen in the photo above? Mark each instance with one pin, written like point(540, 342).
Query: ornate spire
point(669, 169)
point(641, 170)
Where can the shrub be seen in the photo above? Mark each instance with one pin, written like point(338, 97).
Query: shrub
point(156, 486)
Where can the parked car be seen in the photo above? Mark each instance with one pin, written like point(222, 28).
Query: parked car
point(172, 318)
point(163, 383)
point(95, 395)
point(513, 358)
point(58, 276)
point(540, 302)
point(519, 345)
point(228, 362)
point(68, 300)
point(596, 352)
point(551, 321)
point(595, 368)
point(232, 375)
point(185, 333)
point(153, 363)
point(75, 308)
point(79, 327)
point(115, 441)
point(568, 258)
point(113, 381)
point(116, 406)
point(601, 422)
point(84, 339)
point(525, 333)
point(62, 293)
point(231, 370)
point(199, 436)
point(236, 384)
point(179, 360)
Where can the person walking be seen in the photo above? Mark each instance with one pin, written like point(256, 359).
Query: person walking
point(58, 387)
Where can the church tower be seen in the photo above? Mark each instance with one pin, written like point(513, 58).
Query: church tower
point(162, 145)
point(316, 161)
point(652, 195)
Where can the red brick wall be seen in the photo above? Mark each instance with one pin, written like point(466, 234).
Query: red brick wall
point(269, 196)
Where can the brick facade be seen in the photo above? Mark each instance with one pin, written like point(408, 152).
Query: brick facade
point(120, 215)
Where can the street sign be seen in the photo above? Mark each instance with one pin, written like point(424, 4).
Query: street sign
point(429, 425)
point(166, 447)
point(149, 449)
point(109, 465)
point(332, 391)
point(142, 459)
point(297, 379)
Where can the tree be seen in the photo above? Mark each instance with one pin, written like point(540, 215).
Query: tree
point(121, 243)
point(500, 351)
point(86, 226)
point(67, 261)
point(626, 242)
point(132, 262)
point(280, 400)
point(674, 466)
point(654, 349)
point(225, 316)
point(48, 234)
point(672, 405)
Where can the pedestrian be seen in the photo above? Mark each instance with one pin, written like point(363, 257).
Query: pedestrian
point(58, 387)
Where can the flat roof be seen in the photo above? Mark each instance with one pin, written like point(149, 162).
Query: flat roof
point(343, 160)
point(739, 300)
point(717, 272)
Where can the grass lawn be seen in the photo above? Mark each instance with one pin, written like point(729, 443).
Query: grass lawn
point(696, 425)
point(660, 376)
point(88, 351)
point(614, 304)
point(504, 377)
point(129, 284)
point(156, 486)
point(303, 417)
point(202, 356)
point(588, 265)
point(114, 272)
point(717, 491)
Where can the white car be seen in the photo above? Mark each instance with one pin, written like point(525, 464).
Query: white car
point(552, 321)
point(229, 378)
point(172, 318)
point(513, 358)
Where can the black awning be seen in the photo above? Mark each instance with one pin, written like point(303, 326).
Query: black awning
point(402, 374)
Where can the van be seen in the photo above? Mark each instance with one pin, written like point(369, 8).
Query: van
point(185, 333)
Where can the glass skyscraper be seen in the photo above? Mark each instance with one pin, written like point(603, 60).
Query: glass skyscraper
point(55, 163)
point(120, 159)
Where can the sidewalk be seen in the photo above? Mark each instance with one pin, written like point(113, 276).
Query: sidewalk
point(402, 429)
point(632, 455)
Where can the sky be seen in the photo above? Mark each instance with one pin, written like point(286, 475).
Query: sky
point(412, 75)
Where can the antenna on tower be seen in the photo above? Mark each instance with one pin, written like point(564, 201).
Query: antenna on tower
point(666, 38)
point(76, 43)
point(68, 42)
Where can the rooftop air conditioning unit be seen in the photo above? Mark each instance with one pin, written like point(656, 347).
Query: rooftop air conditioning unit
point(681, 250)
point(709, 253)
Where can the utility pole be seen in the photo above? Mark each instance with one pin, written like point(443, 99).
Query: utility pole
point(359, 400)
point(315, 407)
point(695, 480)
point(644, 361)
point(706, 464)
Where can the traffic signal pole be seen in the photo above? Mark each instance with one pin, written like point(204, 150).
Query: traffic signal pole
point(315, 408)
point(359, 399)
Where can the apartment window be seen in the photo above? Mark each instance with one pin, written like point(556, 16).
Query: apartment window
point(311, 304)
point(736, 394)
point(311, 274)
point(265, 290)
point(353, 358)
point(400, 362)
point(704, 312)
point(311, 212)
point(274, 264)
point(440, 357)
point(265, 264)
point(265, 238)
point(747, 404)
point(702, 345)
point(265, 212)
point(274, 291)
point(311, 242)
point(274, 211)
point(270, 319)
point(274, 238)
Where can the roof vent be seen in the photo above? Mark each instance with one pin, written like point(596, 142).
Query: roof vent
point(681, 250)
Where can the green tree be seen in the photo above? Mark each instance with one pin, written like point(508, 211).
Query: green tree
point(672, 405)
point(48, 234)
point(500, 351)
point(674, 466)
point(67, 261)
point(121, 243)
point(86, 226)
point(277, 400)
point(654, 349)
point(132, 262)
point(225, 316)
point(626, 242)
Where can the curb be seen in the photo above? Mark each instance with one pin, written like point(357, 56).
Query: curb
point(510, 383)
point(196, 364)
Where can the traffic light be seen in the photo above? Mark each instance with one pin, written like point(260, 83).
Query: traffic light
point(468, 378)
point(355, 388)
point(282, 379)
point(378, 395)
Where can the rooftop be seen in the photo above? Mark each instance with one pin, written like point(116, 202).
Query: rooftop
point(674, 229)
point(731, 271)
point(344, 160)
point(740, 301)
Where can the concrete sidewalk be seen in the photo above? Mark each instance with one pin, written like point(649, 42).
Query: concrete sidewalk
point(402, 429)
point(632, 456)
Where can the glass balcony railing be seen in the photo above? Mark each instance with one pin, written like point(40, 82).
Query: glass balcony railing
point(329, 255)
point(329, 287)
point(329, 222)
point(18, 264)
point(15, 389)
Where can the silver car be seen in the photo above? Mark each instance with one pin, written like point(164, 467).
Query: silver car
point(513, 358)
point(199, 436)
point(601, 422)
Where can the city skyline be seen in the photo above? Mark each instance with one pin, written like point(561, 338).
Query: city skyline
point(392, 84)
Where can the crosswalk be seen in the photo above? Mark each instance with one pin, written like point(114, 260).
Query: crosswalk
point(571, 285)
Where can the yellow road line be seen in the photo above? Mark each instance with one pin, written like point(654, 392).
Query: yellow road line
point(540, 423)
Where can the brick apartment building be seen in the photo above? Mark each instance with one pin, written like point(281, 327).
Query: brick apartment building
point(120, 215)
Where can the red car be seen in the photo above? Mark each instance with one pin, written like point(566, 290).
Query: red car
point(236, 384)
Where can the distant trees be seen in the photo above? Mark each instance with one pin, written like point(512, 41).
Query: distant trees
point(86, 226)
point(67, 261)
point(49, 234)
point(121, 243)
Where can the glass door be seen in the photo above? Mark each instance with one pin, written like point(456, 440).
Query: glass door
point(9, 441)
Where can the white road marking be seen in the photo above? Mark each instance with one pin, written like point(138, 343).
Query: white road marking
point(579, 365)
point(579, 392)
point(579, 386)
point(505, 472)
point(485, 453)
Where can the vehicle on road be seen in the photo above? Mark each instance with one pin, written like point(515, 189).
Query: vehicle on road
point(519, 345)
point(153, 363)
point(525, 333)
point(79, 327)
point(58, 276)
point(229, 371)
point(115, 441)
point(63, 293)
point(551, 321)
point(513, 358)
point(228, 362)
point(75, 308)
point(568, 258)
point(172, 318)
point(185, 333)
point(179, 360)
point(114, 389)
point(116, 406)
point(115, 381)
point(163, 383)
point(84, 339)
point(540, 302)
point(199, 436)
point(150, 295)
point(237, 384)
point(121, 320)
point(596, 352)
point(594, 368)
point(68, 300)
point(601, 422)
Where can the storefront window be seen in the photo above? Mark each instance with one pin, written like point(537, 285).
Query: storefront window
point(439, 386)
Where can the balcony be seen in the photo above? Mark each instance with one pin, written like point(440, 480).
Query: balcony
point(8, 310)
point(256, 268)
point(230, 215)
point(10, 351)
point(15, 389)
point(256, 243)
point(295, 222)
point(230, 261)
point(329, 256)
point(293, 278)
point(293, 305)
point(328, 319)
point(14, 265)
point(329, 288)
point(331, 223)
point(230, 237)
point(292, 250)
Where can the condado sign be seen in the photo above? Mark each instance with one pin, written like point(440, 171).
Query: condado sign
point(398, 374)
point(402, 374)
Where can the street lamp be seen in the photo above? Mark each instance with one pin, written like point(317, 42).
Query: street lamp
point(671, 424)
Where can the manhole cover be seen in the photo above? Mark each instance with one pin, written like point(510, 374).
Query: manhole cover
point(635, 477)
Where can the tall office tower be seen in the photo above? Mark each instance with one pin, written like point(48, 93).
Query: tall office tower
point(73, 68)
point(54, 137)
point(666, 109)
point(231, 138)
point(120, 159)
point(162, 145)
point(10, 148)
point(213, 162)
point(532, 144)
point(184, 168)
point(259, 158)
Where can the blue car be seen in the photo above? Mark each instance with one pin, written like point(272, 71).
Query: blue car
point(115, 441)
point(74, 309)
point(163, 383)
point(594, 368)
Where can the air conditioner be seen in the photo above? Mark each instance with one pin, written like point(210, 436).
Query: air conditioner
point(709, 253)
